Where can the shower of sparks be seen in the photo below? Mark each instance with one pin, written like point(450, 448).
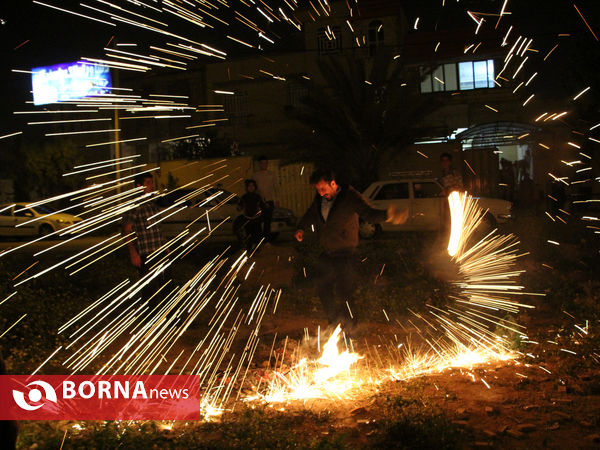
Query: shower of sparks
point(119, 333)
point(462, 335)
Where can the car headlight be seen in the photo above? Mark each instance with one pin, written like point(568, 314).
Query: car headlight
point(61, 221)
point(505, 216)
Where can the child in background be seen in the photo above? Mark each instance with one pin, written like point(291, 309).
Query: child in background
point(252, 206)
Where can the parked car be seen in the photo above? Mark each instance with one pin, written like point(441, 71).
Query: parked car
point(19, 220)
point(422, 198)
point(198, 204)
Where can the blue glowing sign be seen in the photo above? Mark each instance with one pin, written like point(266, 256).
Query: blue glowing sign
point(70, 81)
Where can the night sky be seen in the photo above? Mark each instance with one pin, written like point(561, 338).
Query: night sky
point(48, 37)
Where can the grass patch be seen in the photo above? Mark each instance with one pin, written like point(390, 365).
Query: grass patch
point(260, 428)
point(406, 424)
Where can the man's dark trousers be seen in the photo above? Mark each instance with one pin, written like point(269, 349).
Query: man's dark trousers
point(336, 286)
point(153, 286)
point(268, 218)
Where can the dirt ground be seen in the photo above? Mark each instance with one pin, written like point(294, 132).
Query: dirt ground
point(523, 407)
point(549, 397)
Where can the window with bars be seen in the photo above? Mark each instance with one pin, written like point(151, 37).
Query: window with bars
point(297, 92)
point(461, 76)
point(329, 40)
point(236, 107)
point(375, 36)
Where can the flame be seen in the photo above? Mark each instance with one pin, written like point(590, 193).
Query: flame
point(332, 360)
point(335, 375)
point(457, 206)
point(209, 411)
point(330, 376)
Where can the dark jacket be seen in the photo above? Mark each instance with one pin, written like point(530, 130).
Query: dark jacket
point(251, 204)
point(339, 234)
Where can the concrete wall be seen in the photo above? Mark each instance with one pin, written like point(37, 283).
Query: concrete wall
point(295, 192)
point(479, 167)
point(421, 160)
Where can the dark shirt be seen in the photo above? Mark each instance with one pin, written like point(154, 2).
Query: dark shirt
point(339, 233)
point(451, 181)
point(251, 204)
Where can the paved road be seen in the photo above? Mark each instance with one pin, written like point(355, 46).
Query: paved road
point(33, 247)
point(86, 242)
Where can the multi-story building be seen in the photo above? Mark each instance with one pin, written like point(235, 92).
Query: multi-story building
point(480, 116)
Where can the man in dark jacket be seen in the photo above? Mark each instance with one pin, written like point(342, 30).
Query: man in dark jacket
point(334, 215)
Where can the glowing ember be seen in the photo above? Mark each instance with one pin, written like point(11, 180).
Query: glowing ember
point(421, 363)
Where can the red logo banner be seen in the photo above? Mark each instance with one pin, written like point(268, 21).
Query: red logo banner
point(109, 397)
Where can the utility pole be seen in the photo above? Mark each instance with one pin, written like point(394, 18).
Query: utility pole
point(117, 136)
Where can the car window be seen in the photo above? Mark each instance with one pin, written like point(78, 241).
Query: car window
point(166, 200)
point(20, 212)
point(222, 195)
point(426, 189)
point(392, 191)
point(42, 209)
point(6, 212)
point(172, 197)
point(234, 200)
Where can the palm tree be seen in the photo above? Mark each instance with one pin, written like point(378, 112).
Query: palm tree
point(365, 113)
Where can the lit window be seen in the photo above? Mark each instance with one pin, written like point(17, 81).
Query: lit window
point(462, 76)
point(476, 74)
point(465, 75)
point(439, 82)
point(450, 79)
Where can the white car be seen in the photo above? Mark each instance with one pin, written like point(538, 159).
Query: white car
point(19, 220)
point(222, 206)
point(422, 198)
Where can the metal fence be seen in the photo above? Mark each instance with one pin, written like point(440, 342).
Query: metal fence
point(295, 192)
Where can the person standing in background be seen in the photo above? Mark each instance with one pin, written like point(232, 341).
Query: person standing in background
point(268, 189)
point(451, 179)
point(252, 207)
point(507, 180)
point(142, 221)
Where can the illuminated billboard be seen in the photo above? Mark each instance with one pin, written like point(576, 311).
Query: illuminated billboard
point(72, 81)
